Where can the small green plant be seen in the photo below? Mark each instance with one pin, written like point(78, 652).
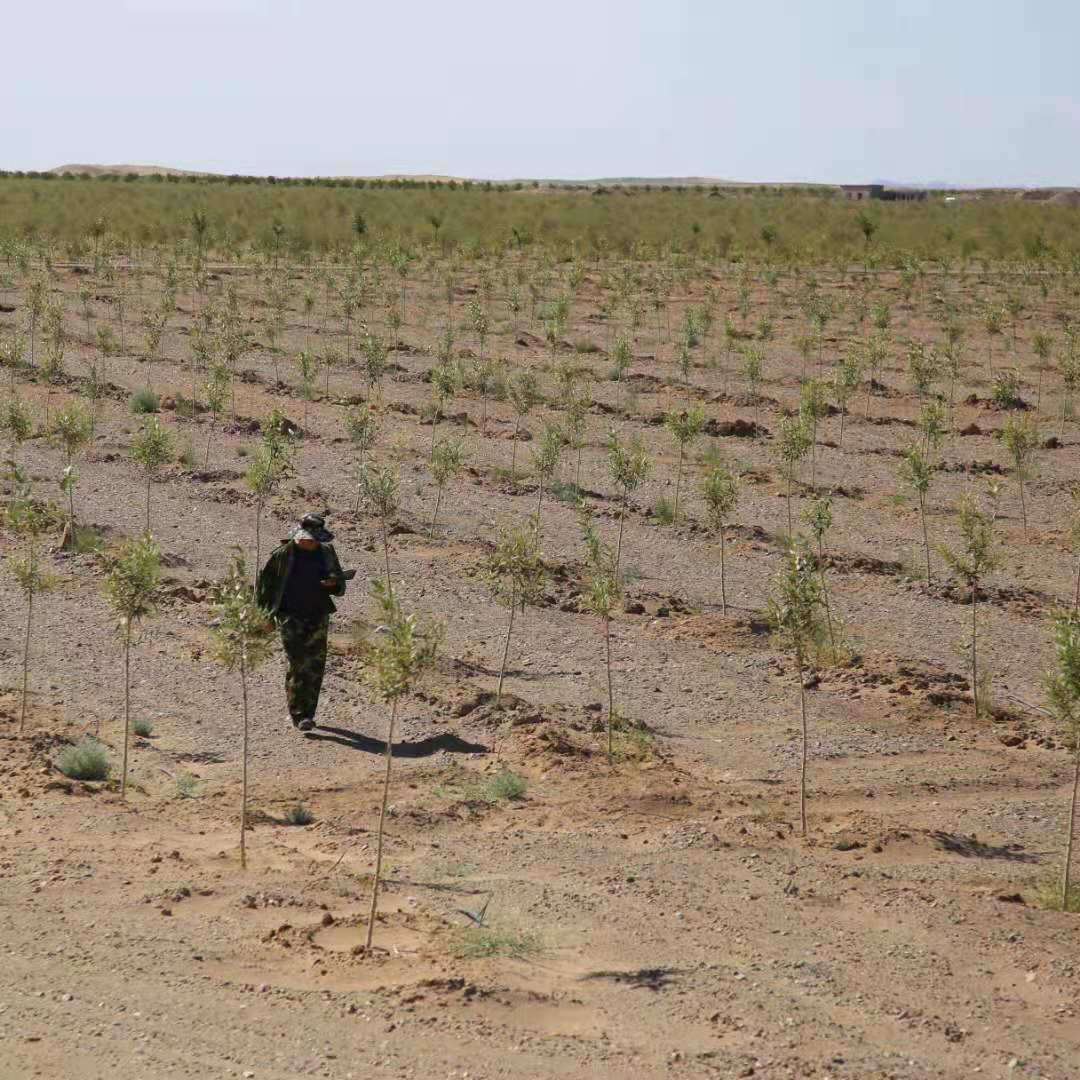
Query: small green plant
point(144, 401)
point(395, 661)
point(480, 942)
point(447, 460)
point(505, 785)
point(87, 760)
point(794, 604)
point(1062, 686)
point(1021, 438)
point(663, 511)
point(143, 727)
point(917, 472)
point(188, 785)
point(629, 466)
point(243, 635)
point(1006, 391)
point(685, 428)
point(972, 560)
point(545, 460)
point(720, 491)
point(299, 815)
point(792, 443)
point(515, 570)
point(130, 584)
point(152, 448)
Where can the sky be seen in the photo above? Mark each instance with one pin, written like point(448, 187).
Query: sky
point(830, 91)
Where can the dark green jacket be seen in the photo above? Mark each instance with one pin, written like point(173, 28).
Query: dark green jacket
point(274, 575)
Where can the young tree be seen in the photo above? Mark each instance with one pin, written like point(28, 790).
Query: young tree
point(819, 519)
point(792, 443)
point(621, 358)
point(629, 465)
point(545, 460)
point(17, 422)
point(217, 394)
point(846, 379)
point(794, 604)
point(28, 520)
point(917, 471)
point(524, 393)
point(1021, 438)
point(602, 594)
point(720, 490)
point(970, 563)
point(1069, 366)
point(1063, 693)
point(362, 427)
point(379, 488)
point(446, 463)
point(130, 584)
point(1042, 345)
point(72, 428)
point(575, 427)
point(395, 661)
point(445, 383)
point(151, 448)
point(243, 640)
point(516, 572)
point(813, 407)
point(685, 428)
point(268, 465)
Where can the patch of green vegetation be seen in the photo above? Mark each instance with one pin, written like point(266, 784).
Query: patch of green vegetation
point(466, 787)
point(188, 785)
point(664, 512)
point(144, 400)
point(1048, 896)
point(88, 760)
point(478, 942)
point(142, 727)
point(299, 815)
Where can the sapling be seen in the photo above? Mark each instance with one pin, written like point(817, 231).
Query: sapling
point(685, 428)
point(813, 406)
point(1069, 366)
point(446, 463)
point(524, 394)
point(720, 491)
point(621, 358)
point(306, 362)
point(629, 466)
point(374, 363)
point(545, 460)
point(29, 520)
point(792, 443)
point(819, 518)
point(71, 430)
point(917, 471)
point(574, 427)
point(1062, 686)
point(152, 447)
point(993, 321)
point(602, 594)
point(243, 640)
point(846, 379)
point(794, 615)
point(1074, 542)
point(130, 583)
point(970, 562)
point(17, 422)
point(933, 423)
point(266, 469)
point(516, 572)
point(217, 394)
point(379, 488)
point(445, 383)
point(394, 663)
point(362, 427)
point(1021, 438)
point(1042, 345)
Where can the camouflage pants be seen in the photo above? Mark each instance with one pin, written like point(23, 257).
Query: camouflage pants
point(305, 649)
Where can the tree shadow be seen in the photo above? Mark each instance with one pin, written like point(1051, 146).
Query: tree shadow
point(644, 978)
point(971, 848)
point(433, 744)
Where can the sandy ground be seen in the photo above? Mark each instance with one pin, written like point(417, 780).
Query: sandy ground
point(656, 916)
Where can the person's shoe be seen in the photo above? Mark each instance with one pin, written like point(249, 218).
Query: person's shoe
point(307, 724)
point(295, 723)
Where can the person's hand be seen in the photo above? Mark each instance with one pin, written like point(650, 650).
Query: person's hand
point(328, 583)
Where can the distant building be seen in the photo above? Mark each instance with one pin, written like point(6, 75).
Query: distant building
point(859, 192)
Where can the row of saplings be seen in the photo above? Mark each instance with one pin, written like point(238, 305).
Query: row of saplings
point(396, 658)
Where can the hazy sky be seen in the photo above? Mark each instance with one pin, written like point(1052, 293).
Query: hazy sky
point(963, 91)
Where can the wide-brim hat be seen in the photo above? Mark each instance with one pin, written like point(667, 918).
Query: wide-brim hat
point(312, 527)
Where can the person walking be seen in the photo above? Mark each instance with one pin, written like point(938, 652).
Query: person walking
point(296, 586)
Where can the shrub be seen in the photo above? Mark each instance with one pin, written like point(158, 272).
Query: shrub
point(144, 401)
point(664, 512)
point(88, 760)
point(142, 727)
point(505, 784)
point(187, 785)
point(476, 942)
point(1006, 392)
point(299, 815)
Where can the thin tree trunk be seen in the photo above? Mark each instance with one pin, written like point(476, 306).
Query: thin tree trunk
point(127, 707)
point(974, 651)
point(26, 658)
point(802, 764)
point(825, 594)
point(1076, 590)
point(244, 767)
point(618, 546)
point(386, 555)
point(513, 454)
point(506, 647)
point(610, 694)
point(678, 486)
point(723, 582)
point(1023, 501)
point(209, 436)
point(1070, 825)
point(925, 535)
point(149, 481)
point(434, 516)
point(382, 822)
